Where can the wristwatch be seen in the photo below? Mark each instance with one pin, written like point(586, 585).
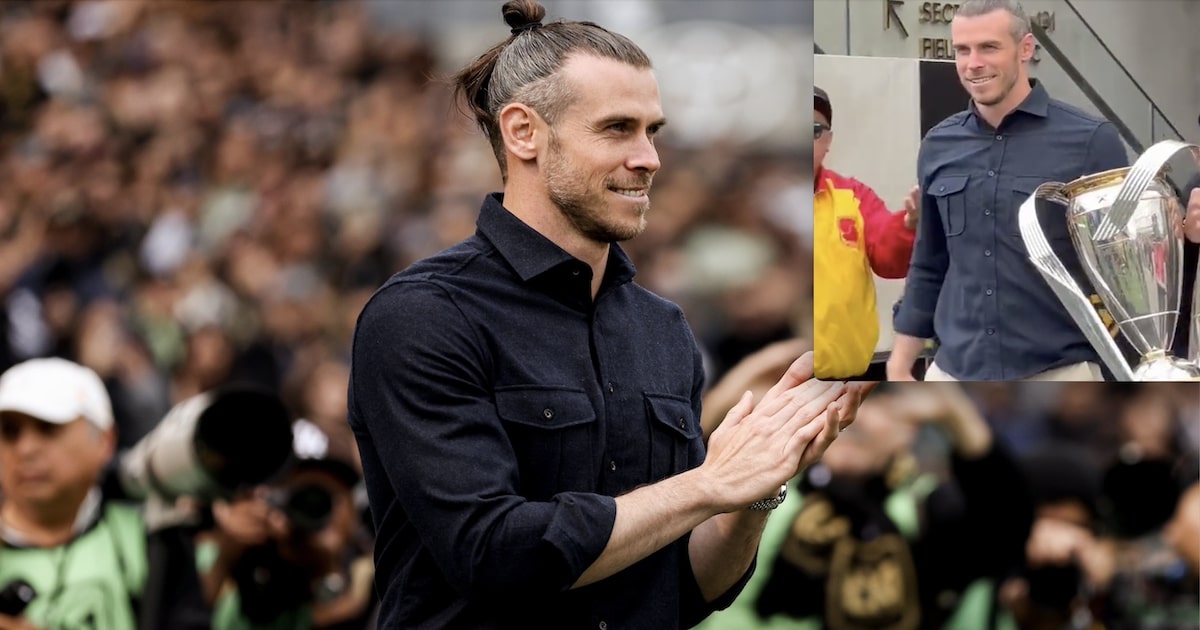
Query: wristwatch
point(773, 502)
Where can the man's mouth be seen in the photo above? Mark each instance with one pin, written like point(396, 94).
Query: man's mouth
point(980, 80)
point(633, 193)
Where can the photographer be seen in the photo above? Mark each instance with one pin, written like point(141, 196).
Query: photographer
point(83, 555)
point(292, 554)
point(93, 540)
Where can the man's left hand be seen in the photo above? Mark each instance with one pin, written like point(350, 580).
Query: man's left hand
point(1191, 220)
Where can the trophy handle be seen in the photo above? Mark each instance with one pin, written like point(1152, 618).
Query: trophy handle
point(1078, 306)
point(1140, 176)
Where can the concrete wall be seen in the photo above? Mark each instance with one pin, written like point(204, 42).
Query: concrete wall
point(1158, 42)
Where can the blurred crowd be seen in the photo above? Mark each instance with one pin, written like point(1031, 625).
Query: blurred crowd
point(197, 193)
point(988, 505)
point(1125, 458)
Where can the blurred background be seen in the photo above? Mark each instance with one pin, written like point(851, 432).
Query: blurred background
point(196, 193)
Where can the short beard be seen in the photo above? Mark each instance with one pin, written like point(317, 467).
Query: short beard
point(586, 212)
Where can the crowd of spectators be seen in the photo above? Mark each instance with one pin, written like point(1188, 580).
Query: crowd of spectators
point(197, 193)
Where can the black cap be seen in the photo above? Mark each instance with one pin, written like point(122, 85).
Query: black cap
point(821, 103)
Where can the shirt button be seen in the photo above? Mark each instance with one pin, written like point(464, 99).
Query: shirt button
point(603, 625)
point(991, 331)
point(574, 272)
point(987, 252)
point(682, 423)
point(612, 465)
point(987, 211)
point(989, 292)
point(991, 173)
point(999, 137)
point(548, 412)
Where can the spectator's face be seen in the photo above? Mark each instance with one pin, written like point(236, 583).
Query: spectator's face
point(45, 466)
point(1149, 422)
point(601, 156)
point(868, 446)
point(989, 60)
point(820, 144)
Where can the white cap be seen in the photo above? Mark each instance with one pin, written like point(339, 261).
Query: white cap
point(57, 391)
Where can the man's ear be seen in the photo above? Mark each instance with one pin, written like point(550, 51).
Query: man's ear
point(1027, 47)
point(518, 124)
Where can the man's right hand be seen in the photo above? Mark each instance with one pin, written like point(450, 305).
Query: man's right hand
point(905, 350)
point(758, 448)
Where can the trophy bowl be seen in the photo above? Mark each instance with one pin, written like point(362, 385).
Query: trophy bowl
point(1126, 226)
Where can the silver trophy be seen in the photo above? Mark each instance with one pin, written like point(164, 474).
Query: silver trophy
point(1126, 225)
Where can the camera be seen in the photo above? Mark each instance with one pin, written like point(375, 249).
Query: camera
point(15, 596)
point(307, 507)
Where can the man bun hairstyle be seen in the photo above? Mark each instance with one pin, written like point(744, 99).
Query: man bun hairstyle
point(524, 67)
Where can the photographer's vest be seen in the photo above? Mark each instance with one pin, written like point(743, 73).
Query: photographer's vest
point(974, 610)
point(92, 582)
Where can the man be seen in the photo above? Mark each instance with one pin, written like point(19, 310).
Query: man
point(857, 237)
point(84, 557)
point(874, 542)
point(970, 282)
point(528, 417)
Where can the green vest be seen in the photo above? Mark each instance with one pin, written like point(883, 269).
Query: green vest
point(90, 582)
point(902, 506)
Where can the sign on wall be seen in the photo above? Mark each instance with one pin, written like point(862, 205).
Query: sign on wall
point(931, 23)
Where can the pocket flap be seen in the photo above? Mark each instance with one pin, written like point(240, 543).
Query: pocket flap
point(544, 407)
point(947, 185)
point(674, 412)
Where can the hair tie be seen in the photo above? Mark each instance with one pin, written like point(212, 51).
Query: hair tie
point(526, 27)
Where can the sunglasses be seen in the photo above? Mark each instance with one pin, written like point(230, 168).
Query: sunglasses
point(819, 130)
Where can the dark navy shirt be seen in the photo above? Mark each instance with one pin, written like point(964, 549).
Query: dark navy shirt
point(498, 410)
point(971, 282)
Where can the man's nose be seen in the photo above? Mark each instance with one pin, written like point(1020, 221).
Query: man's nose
point(645, 156)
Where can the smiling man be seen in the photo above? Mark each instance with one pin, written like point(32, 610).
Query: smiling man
point(970, 281)
point(529, 417)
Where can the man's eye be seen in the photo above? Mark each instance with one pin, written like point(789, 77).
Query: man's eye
point(618, 127)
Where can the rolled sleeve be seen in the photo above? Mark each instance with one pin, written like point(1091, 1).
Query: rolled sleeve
point(419, 389)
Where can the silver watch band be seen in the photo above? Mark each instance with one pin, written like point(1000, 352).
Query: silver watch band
point(773, 502)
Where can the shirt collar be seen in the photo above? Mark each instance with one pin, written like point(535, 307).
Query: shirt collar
point(531, 254)
point(1036, 103)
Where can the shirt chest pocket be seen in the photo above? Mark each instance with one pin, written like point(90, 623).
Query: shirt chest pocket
point(673, 433)
point(552, 431)
point(950, 193)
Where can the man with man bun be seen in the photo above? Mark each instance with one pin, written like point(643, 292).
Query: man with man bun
point(528, 417)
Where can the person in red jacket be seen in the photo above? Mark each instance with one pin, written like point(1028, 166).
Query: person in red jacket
point(855, 238)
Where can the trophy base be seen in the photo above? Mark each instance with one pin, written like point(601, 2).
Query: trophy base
point(1167, 368)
